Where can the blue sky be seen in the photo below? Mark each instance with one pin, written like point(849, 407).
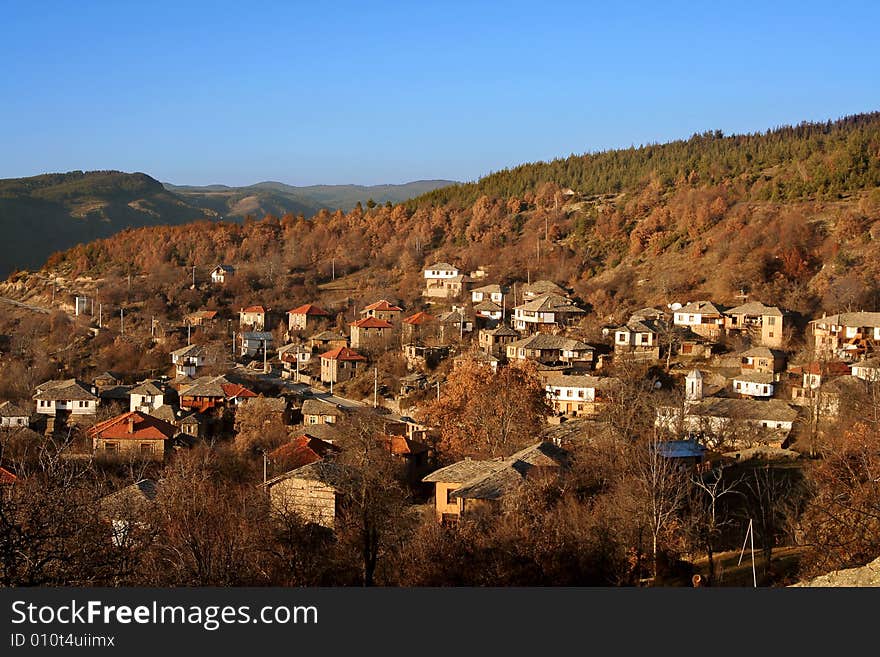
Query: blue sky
point(376, 92)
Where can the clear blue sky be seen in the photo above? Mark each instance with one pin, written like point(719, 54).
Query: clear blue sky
point(374, 92)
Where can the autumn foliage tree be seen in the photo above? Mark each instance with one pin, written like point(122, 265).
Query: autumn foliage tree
point(484, 414)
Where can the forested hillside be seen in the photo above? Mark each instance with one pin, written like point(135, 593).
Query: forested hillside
point(675, 233)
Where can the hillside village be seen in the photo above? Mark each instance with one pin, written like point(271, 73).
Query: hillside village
point(306, 393)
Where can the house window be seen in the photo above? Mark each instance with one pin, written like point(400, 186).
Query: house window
point(111, 447)
point(146, 448)
point(582, 393)
point(771, 321)
point(449, 498)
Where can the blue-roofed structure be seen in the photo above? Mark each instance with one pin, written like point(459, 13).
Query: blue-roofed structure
point(681, 449)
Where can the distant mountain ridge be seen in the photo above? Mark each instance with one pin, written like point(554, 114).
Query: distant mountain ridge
point(56, 211)
point(279, 198)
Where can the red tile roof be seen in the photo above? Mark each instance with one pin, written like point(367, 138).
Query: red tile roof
point(6, 477)
point(830, 368)
point(301, 451)
point(342, 353)
point(133, 425)
point(309, 309)
point(254, 309)
point(384, 304)
point(419, 318)
point(372, 322)
point(233, 390)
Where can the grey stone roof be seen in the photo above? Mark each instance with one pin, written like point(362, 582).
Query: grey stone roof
point(487, 306)
point(326, 472)
point(66, 390)
point(8, 409)
point(551, 303)
point(858, 319)
point(207, 386)
point(500, 331)
point(463, 471)
point(755, 377)
point(544, 341)
point(542, 287)
point(773, 410)
point(148, 388)
point(319, 407)
point(700, 308)
point(754, 308)
point(190, 351)
point(560, 380)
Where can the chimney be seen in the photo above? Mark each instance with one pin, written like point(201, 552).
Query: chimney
point(131, 424)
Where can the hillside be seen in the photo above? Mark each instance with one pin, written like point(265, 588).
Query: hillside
point(662, 238)
point(51, 212)
point(278, 199)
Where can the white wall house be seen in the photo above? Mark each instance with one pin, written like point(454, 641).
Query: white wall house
point(146, 398)
point(188, 359)
point(13, 416)
point(492, 293)
point(222, 272)
point(867, 370)
point(754, 384)
point(68, 395)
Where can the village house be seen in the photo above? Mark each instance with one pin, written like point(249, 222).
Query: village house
point(315, 492)
point(540, 288)
point(419, 328)
point(494, 341)
point(443, 280)
point(222, 273)
point(106, 379)
point(576, 395)
point(187, 360)
point(300, 451)
point(370, 333)
point(830, 397)
point(489, 312)
point(317, 411)
point(341, 364)
point(13, 416)
point(470, 485)
point(7, 480)
point(306, 317)
point(254, 318)
point(867, 370)
point(326, 340)
point(552, 350)
point(702, 317)
point(754, 384)
point(255, 343)
point(454, 324)
point(275, 407)
point(133, 434)
point(849, 336)
point(805, 380)
point(217, 392)
point(191, 425)
point(67, 396)
point(546, 313)
point(422, 357)
point(201, 318)
point(147, 397)
point(294, 358)
point(639, 339)
point(126, 510)
point(494, 293)
point(762, 359)
point(762, 324)
point(384, 310)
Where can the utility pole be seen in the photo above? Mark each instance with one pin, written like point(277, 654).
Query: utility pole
point(153, 327)
point(188, 332)
point(438, 389)
point(264, 355)
point(194, 276)
point(122, 321)
point(233, 346)
point(375, 387)
point(265, 462)
point(334, 269)
point(100, 309)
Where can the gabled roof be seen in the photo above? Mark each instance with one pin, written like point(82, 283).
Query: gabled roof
point(189, 351)
point(700, 308)
point(320, 407)
point(257, 336)
point(550, 302)
point(489, 289)
point(754, 308)
point(202, 314)
point(762, 352)
point(764, 378)
point(236, 391)
point(207, 386)
point(858, 319)
point(830, 368)
point(462, 471)
point(868, 363)
point(382, 304)
point(136, 497)
point(372, 322)
point(478, 357)
point(66, 390)
point(149, 388)
point(309, 309)
point(744, 409)
point(648, 313)
point(133, 425)
point(543, 287)
point(441, 266)
point(547, 341)
point(419, 318)
point(226, 268)
point(344, 354)
point(500, 331)
point(8, 409)
point(487, 306)
point(302, 450)
point(326, 472)
point(578, 381)
point(254, 309)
